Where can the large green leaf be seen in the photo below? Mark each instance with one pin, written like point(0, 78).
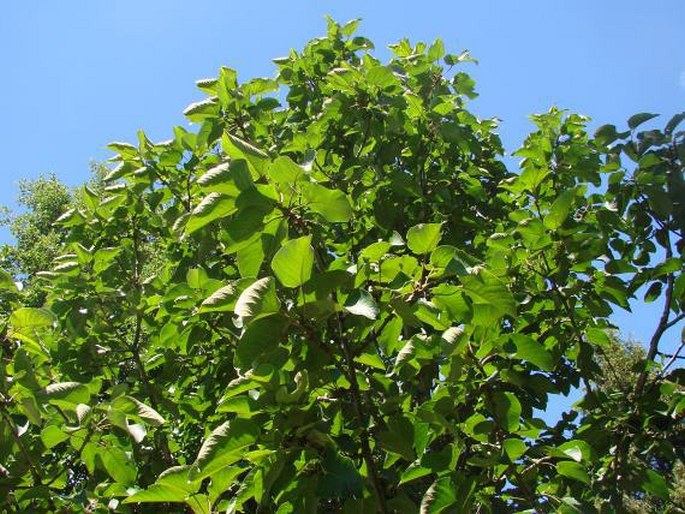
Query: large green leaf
point(424, 238)
point(228, 178)
point(173, 485)
point(528, 349)
point(202, 110)
point(6, 281)
point(69, 392)
point(52, 435)
point(260, 336)
point(118, 465)
point(286, 172)
point(573, 470)
point(507, 410)
point(212, 207)
point(224, 446)
point(490, 297)
point(237, 148)
point(137, 409)
point(654, 483)
point(361, 303)
point(559, 210)
point(223, 299)
point(340, 478)
point(440, 496)
point(332, 204)
point(256, 301)
point(638, 119)
point(293, 263)
point(27, 324)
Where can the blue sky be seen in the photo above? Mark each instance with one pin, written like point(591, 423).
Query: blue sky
point(81, 74)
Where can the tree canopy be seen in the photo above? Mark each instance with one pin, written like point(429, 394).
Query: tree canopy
point(334, 296)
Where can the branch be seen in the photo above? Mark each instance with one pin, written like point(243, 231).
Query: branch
point(365, 436)
point(663, 325)
point(673, 357)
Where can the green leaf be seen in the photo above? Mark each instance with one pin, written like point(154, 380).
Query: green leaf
point(573, 470)
point(350, 27)
point(507, 410)
point(69, 392)
point(6, 281)
point(212, 207)
point(638, 119)
point(257, 300)
point(490, 297)
point(237, 148)
point(137, 409)
point(440, 496)
point(226, 445)
point(598, 336)
point(559, 210)
point(52, 435)
point(653, 292)
point(104, 258)
point(250, 258)
point(398, 437)
point(375, 251)
point(332, 204)
point(606, 134)
point(259, 337)
point(673, 123)
point(123, 149)
point(514, 448)
point(655, 484)
point(529, 350)
point(27, 323)
point(224, 298)
point(424, 238)
point(173, 485)
point(229, 179)
point(118, 465)
point(294, 261)
point(285, 171)
point(361, 303)
point(158, 493)
point(448, 258)
point(205, 109)
point(340, 477)
point(576, 449)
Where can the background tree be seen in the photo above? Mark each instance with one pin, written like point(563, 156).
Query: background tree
point(37, 239)
point(620, 364)
point(335, 297)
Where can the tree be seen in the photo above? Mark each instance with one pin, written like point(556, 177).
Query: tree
point(335, 297)
point(620, 364)
point(38, 240)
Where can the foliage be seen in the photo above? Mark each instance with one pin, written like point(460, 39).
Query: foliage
point(620, 362)
point(335, 297)
point(38, 241)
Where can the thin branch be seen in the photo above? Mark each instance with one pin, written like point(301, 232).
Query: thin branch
point(365, 435)
point(661, 327)
point(674, 356)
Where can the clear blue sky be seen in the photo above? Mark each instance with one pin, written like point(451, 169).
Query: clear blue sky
point(81, 74)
